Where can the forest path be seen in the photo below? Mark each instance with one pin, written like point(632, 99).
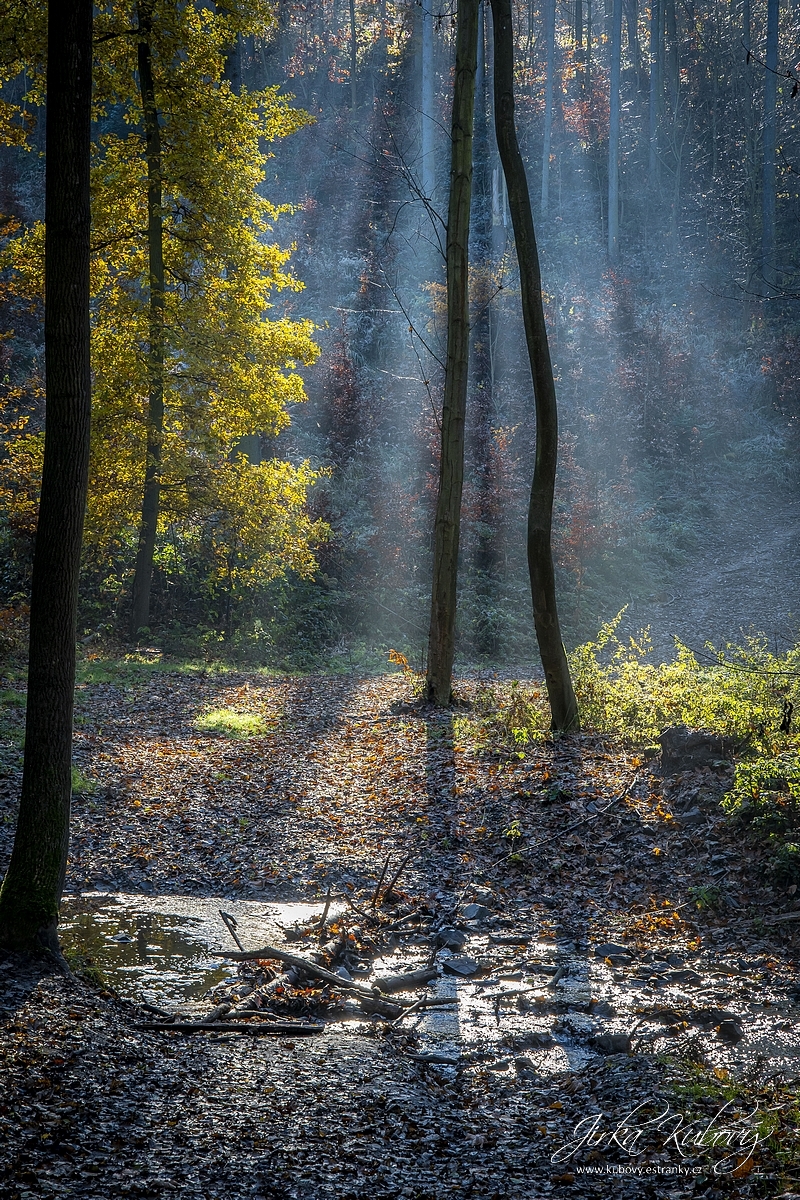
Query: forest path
point(344, 773)
point(742, 576)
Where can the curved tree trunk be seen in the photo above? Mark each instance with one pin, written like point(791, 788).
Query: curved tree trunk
point(441, 643)
point(563, 706)
point(143, 577)
point(34, 881)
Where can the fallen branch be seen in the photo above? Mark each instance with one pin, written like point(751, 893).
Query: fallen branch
point(778, 920)
point(283, 1027)
point(231, 924)
point(302, 964)
point(407, 982)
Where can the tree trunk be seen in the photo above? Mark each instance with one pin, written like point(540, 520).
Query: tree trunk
point(563, 707)
point(673, 65)
point(613, 132)
point(550, 51)
point(32, 888)
point(140, 609)
point(441, 643)
point(768, 175)
point(656, 41)
point(428, 162)
point(353, 55)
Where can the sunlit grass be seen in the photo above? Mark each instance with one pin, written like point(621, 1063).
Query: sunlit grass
point(230, 723)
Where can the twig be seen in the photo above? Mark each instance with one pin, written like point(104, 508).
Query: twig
point(231, 924)
point(324, 916)
point(398, 873)
point(374, 900)
point(160, 1012)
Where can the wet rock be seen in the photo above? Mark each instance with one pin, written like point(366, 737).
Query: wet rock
point(612, 1043)
point(522, 1063)
point(460, 964)
point(714, 1016)
point(453, 939)
point(687, 976)
point(684, 749)
point(692, 817)
point(731, 1031)
point(610, 949)
point(675, 960)
point(535, 1039)
point(476, 912)
point(603, 1009)
point(620, 960)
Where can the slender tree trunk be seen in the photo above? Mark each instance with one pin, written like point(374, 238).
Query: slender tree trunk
point(550, 51)
point(770, 126)
point(32, 888)
point(428, 172)
point(441, 643)
point(579, 28)
point(613, 132)
point(563, 706)
point(140, 609)
point(655, 91)
point(673, 64)
point(353, 55)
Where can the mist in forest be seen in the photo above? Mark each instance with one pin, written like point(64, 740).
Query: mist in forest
point(662, 155)
point(669, 283)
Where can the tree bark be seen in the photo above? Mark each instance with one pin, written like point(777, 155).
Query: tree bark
point(441, 642)
point(563, 706)
point(32, 887)
point(140, 608)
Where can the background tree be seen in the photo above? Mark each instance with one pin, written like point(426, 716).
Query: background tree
point(441, 641)
point(563, 707)
point(31, 891)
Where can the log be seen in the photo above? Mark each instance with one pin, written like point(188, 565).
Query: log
point(407, 982)
point(302, 964)
point(282, 1027)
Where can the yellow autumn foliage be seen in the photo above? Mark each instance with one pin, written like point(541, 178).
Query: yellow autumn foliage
point(231, 358)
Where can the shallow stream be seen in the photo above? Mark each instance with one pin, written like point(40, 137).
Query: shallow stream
point(163, 950)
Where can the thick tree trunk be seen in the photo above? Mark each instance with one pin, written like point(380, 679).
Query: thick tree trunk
point(563, 706)
point(140, 609)
point(32, 887)
point(441, 643)
point(613, 132)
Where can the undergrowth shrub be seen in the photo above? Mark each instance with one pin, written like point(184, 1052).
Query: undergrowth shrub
point(765, 799)
point(741, 692)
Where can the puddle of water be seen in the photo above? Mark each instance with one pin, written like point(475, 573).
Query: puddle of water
point(161, 948)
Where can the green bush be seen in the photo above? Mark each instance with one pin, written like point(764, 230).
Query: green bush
point(736, 691)
point(766, 799)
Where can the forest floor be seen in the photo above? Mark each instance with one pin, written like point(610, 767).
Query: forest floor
point(628, 974)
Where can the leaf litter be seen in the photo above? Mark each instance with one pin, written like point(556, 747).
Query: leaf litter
point(492, 950)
